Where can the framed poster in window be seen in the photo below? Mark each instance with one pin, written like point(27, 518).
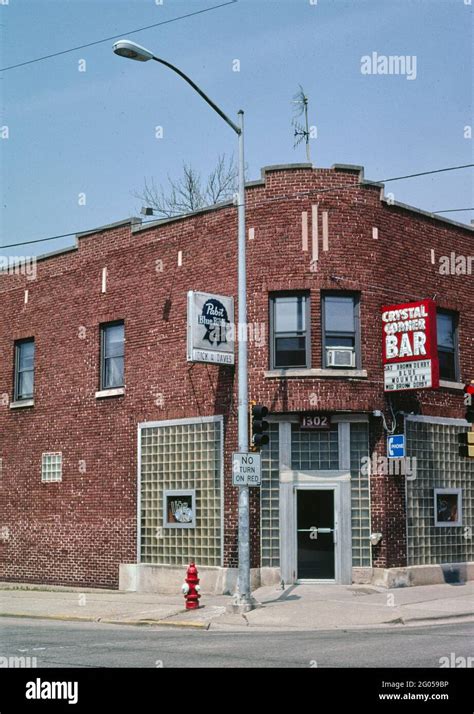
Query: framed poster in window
point(448, 507)
point(179, 509)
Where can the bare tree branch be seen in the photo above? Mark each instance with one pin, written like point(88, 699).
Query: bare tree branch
point(187, 193)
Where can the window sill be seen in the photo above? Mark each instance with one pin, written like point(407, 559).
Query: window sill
point(447, 384)
point(103, 393)
point(327, 373)
point(22, 404)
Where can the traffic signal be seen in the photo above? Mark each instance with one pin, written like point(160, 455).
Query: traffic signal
point(258, 426)
point(469, 402)
point(466, 444)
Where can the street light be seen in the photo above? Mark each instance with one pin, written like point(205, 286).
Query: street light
point(243, 601)
point(131, 50)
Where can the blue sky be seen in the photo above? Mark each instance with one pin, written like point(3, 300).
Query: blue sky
point(93, 132)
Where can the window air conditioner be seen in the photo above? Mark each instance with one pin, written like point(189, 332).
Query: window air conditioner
point(340, 357)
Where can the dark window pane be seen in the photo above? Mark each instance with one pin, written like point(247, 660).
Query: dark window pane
point(290, 352)
point(339, 313)
point(290, 313)
point(26, 355)
point(25, 385)
point(446, 327)
point(114, 368)
point(447, 365)
point(342, 341)
point(114, 341)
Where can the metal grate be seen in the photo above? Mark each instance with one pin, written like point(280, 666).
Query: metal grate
point(360, 498)
point(438, 465)
point(181, 457)
point(52, 467)
point(314, 450)
point(270, 500)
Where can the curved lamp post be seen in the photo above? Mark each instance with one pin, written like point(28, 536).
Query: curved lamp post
point(243, 600)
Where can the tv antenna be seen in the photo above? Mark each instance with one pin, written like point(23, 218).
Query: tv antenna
point(300, 99)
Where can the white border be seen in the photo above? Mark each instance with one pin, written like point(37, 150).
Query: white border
point(216, 356)
point(169, 493)
point(177, 422)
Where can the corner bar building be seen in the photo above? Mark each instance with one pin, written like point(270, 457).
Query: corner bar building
point(116, 449)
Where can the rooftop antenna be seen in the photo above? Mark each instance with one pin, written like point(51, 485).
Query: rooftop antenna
point(300, 99)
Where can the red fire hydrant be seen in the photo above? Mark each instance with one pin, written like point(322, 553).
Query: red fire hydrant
point(191, 588)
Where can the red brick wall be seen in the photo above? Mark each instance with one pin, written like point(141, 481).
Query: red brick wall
point(78, 531)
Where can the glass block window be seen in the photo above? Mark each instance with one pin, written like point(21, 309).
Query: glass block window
point(52, 467)
point(270, 500)
point(181, 456)
point(438, 466)
point(360, 498)
point(314, 450)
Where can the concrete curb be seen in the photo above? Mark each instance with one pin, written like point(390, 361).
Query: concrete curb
point(107, 621)
point(160, 623)
point(398, 622)
point(434, 618)
point(192, 624)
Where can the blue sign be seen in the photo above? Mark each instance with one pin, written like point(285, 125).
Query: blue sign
point(396, 446)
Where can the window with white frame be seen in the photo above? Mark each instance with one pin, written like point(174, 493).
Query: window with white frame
point(290, 344)
point(341, 338)
point(112, 355)
point(52, 467)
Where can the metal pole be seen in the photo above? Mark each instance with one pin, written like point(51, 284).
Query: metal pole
point(243, 600)
point(200, 92)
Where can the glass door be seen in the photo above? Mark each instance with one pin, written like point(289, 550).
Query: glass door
point(315, 534)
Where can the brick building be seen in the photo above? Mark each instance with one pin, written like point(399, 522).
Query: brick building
point(111, 441)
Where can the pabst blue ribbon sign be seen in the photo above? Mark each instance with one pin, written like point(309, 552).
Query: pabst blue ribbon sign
point(210, 328)
point(410, 348)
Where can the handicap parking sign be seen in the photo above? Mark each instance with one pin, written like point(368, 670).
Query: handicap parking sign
point(396, 446)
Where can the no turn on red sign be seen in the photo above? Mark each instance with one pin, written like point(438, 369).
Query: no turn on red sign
point(246, 469)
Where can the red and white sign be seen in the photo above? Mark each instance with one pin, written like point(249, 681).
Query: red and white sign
point(410, 346)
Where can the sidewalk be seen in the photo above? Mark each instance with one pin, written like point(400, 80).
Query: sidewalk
point(299, 607)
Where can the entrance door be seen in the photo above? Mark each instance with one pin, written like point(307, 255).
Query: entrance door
point(315, 534)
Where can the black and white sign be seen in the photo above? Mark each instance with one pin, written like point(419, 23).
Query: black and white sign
point(246, 469)
point(408, 375)
point(210, 328)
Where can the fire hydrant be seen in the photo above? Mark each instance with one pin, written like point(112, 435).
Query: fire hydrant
point(191, 588)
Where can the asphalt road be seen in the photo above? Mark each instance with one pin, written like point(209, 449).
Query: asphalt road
point(72, 644)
